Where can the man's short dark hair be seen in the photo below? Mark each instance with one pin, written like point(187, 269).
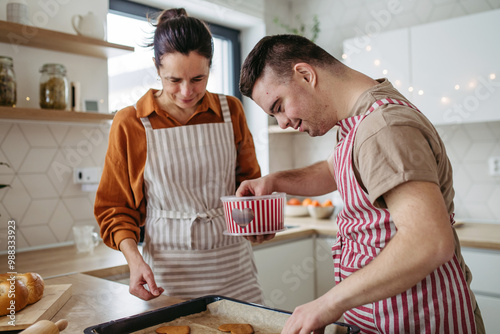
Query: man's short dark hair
point(280, 53)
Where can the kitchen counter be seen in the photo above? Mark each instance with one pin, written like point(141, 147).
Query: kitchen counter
point(105, 262)
point(65, 260)
point(94, 301)
point(474, 235)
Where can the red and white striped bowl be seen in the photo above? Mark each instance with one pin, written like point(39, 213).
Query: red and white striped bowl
point(253, 215)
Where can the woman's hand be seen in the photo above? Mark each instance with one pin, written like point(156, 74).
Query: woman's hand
point(141, 274)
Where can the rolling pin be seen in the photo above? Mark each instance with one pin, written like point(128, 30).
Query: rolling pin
point(46, 327)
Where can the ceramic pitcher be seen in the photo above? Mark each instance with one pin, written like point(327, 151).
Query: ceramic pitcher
point(89, 25)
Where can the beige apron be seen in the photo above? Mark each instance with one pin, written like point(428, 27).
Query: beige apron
point(188, 168)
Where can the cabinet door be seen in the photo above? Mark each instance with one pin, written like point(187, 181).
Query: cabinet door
point(384, 55)
point(455, 65)
point(325, 279)
point(485, 267)
point(286, 273)
point(489, 307)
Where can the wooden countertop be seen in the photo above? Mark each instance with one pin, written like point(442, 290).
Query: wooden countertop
point(65, 260)
point(478, 235)
point(475, 235)
point(95, 301)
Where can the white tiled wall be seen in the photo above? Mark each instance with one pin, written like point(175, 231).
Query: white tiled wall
point(468, 145)
point(42, 198)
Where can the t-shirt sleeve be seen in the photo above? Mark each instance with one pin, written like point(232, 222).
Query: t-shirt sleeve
point(395, 154)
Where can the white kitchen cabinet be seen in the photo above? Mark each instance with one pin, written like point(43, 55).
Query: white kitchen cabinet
point(295, 272)
point(485, 267)
point(325, 279)
point(451, 66)
point(286, 272)
point(455, 64)
point(489, 307)
point(384, 55)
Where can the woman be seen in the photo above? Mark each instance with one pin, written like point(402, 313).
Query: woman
point(170, 159)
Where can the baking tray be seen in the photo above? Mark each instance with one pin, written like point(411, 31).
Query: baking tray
point(170, 313)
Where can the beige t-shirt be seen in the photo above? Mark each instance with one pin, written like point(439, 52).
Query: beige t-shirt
point(396, 144)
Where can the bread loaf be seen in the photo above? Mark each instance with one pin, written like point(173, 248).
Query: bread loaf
point(17, 291)
point(35, 285)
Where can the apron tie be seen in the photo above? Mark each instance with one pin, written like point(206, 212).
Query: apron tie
point(206, 216)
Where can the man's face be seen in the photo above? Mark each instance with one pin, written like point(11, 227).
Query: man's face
point(293, 102)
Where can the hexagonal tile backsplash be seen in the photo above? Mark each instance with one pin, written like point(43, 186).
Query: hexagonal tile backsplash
point(42, 198)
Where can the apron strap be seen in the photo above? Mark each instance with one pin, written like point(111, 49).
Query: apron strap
point(226, 114)
point(146, 123)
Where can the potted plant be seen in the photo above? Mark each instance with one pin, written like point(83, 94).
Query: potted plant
point(301, 30)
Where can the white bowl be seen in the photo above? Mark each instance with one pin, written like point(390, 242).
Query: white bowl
point(296, 211)
point(320, 212)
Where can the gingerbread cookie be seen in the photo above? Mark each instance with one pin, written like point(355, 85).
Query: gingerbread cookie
point(237, 328)
point(173, 330)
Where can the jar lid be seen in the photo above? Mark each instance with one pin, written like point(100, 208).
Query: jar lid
point(53, 68)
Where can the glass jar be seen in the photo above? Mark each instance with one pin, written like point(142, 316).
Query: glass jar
point(54, 90)
point(8, 94)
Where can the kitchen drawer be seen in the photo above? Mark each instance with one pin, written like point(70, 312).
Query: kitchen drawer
point(485, 267)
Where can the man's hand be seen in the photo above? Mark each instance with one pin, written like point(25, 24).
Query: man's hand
point(317, 179)
point(256, 187)
point(313, 316)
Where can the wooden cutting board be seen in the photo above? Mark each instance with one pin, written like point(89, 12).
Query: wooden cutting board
point(54, 297)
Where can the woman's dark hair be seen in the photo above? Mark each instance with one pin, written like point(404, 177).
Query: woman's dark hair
point(280, 53)
point(177, 32)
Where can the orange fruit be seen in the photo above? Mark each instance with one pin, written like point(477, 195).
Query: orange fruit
point(315, 203)
point(293, 201)
point(327, 203)
point(307, 201)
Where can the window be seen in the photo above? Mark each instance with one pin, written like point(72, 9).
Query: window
point(131, 75)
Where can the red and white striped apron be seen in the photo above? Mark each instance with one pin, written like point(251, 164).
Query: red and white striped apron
point(440, 303)
point(188, 169)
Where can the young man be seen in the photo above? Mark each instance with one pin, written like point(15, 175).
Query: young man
point(398, 265)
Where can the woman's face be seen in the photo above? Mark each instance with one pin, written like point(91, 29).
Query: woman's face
point(184, 78)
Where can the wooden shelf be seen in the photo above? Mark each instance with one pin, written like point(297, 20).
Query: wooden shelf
point(23, 35)
point(52, 115)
